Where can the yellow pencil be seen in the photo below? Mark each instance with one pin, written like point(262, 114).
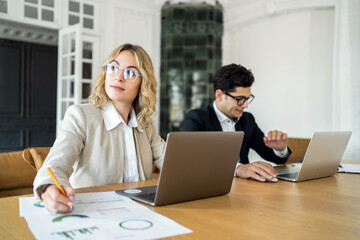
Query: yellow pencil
point(59, 186)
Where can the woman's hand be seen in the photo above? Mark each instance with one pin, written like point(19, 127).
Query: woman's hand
point(55, 202)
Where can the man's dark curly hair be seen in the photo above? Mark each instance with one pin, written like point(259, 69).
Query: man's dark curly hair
point(228, 77)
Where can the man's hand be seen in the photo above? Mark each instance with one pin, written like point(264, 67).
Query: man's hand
point(255, 169)
point(276, 140)
point(55, 202)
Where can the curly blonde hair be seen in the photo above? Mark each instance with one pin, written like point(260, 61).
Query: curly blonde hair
point(144, 103)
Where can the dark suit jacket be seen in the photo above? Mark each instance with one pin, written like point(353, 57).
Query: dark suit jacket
point(205, 119)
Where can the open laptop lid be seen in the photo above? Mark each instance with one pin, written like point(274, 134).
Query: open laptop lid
point(195, 165)
point(198, 165)
point(323, 155)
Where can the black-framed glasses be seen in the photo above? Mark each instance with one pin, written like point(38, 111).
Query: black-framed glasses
point(240, 100)
point(129, 74)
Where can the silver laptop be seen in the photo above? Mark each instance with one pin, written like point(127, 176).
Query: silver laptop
point(322, 157)
point(195, 165)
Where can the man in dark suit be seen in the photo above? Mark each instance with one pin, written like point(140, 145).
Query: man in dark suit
point(232, 86)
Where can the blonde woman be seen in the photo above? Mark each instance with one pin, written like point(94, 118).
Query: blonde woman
point(110, 140)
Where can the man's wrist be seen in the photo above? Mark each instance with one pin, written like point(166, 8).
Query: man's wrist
point(283, 154)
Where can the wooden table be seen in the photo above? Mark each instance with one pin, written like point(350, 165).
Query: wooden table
point(327, 208)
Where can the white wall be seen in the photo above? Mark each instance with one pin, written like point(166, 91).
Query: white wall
point(291, 58)
point(291, 55)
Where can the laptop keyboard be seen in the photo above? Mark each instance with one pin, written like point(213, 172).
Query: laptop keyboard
point(147, 196)
point(287, 170)
point(289, 175)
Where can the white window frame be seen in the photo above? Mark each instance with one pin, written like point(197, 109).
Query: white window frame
point(81, 15)
point(80, 36)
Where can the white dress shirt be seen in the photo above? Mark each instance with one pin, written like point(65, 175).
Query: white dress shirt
point(113, 119)
point(227, 125)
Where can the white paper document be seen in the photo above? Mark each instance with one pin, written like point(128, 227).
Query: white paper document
point(102, 215)
point(349, 168)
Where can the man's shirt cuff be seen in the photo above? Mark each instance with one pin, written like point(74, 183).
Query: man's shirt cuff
point(283, 154)
point(237, 165)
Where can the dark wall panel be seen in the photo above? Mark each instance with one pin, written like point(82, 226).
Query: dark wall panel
point(41, 137)
point(10, 139)
point(10, 79)
point(28, 74)
point(43, 81)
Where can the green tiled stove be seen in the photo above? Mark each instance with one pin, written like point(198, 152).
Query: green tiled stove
point(191, 37)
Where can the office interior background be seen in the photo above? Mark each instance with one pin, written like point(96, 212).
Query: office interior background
point(304, 54)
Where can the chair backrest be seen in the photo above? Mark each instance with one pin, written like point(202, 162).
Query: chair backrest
point(298, 147)
point(16, 176)
point(35, 156)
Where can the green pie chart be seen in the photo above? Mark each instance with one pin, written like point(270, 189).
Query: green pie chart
point(136, 224)
point(60, 218)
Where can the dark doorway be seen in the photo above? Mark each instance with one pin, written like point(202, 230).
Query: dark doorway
point(28, 74)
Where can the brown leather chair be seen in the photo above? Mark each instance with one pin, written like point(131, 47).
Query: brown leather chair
point(35, 156)
point(16, 176)
point(298, 147)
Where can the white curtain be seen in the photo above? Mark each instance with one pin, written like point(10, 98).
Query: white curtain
point(346, 103)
